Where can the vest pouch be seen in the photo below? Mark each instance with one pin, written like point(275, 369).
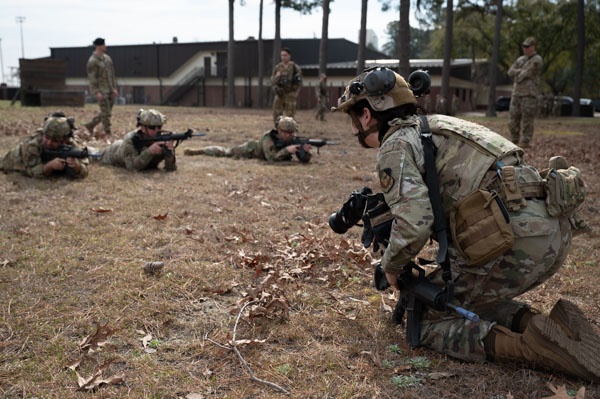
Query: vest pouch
point(480, 227)
point(565, 191)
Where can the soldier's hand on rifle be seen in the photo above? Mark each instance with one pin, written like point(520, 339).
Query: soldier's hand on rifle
point(392, 279)
point(55, 164)
point(292, 149)
point(307, 147)
point(74, 164)
point(157, 147)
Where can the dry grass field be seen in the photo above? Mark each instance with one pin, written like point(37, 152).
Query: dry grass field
point(257, 297)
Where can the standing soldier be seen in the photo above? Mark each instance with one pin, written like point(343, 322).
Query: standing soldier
point(321, 98)
point(286, 81)
point(523, 105)
point(101, 77)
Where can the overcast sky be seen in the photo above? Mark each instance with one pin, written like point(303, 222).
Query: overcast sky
point(74, 23)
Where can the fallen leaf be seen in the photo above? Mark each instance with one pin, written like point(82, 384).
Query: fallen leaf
point(147, 338)
point(560, 392)
point(100, 210)
point(98, 339)
point(161, 217)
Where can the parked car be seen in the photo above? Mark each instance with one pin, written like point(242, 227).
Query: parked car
point(502, 103)
point(596, 103)
point(586, 108)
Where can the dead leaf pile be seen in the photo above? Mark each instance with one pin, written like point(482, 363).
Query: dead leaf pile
point(90, 346)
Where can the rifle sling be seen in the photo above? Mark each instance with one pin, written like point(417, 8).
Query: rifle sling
point(439, 221)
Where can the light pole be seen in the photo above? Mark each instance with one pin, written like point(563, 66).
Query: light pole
point(1, 62)
point(20, 21)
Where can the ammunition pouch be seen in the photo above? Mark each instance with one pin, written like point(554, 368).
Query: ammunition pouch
point(565, 191)
point(480, 227)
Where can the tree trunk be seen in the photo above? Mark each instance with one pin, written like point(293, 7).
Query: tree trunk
point(579, 63)
point(324, 39)
point(261, 58)
point(404, 39)
point(493, 65)
point(277, 39)
point(446, 98)
point(362, 37)
point(230, 60)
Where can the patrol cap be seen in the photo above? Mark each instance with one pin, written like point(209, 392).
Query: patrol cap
point(99, 41)
point(57, 127)
point(380, 86)
point(286, 124)
point(150, 117)
point(530, 41)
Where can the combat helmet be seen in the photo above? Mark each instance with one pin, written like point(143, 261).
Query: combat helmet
point(58, 127)
point(380, 86)
point(286, 124)
point(150, 117)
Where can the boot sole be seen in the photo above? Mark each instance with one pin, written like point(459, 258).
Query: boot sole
point(573, 321)
point(581, 355)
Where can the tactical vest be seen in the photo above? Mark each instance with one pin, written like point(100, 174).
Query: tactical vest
point(467, 157)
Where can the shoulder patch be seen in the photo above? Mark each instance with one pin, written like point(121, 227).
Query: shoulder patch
point(386, 180)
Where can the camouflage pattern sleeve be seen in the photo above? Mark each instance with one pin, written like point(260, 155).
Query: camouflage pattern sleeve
point(532, 68)
point(270, 151)
point(93, 74)
point(274, 78)
point(133, 159)
point(101, 74)
point(516, 66)
point(26, 157)
point(407, 196)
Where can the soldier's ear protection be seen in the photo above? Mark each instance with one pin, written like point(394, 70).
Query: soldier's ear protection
point(377, 81)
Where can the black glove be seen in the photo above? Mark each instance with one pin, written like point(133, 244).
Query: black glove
point(377, 226)
point(380, 278)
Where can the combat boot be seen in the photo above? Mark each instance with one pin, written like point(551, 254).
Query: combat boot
point(544, 344)
point(89, 127)
point(574, 323)
point(189, 151)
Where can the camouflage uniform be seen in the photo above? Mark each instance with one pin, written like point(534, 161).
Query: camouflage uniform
point(322, 106)
point(466, 160)
point(285, 87)
point(264, 148)
point(122, 153)
point(26, 157)
point(101, 77)
point(525, 72)
point(471, 159)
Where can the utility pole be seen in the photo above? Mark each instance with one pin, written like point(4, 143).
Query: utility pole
point(20, 21)
point(1, 63)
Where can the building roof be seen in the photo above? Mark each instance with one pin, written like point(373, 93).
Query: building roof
point(163, 59)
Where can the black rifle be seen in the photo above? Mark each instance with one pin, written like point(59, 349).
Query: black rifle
point(416, 292)
point(140, 142)
point(64, 151)
point(300, 141)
